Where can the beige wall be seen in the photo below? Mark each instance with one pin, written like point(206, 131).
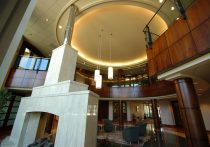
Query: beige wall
point(204, 101)
point(133, 109)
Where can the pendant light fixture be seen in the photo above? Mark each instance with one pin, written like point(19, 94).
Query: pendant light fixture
point(97, 76)
point(110, 68)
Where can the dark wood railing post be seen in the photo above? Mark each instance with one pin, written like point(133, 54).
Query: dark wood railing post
point(156, 123)
point(195, 130)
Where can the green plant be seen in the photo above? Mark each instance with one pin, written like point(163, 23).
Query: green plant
point(4, 97)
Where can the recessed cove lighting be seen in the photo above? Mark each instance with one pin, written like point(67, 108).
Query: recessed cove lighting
point(160, 1)
point(172, 8)
point(60, 27)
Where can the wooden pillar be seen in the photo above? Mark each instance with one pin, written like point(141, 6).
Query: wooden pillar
point(195, 131)
point(156, 119)
point(155, 115)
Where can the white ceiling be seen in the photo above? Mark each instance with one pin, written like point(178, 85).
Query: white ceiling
point(124, 18)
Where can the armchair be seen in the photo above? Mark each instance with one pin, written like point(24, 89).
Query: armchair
point(108, 126)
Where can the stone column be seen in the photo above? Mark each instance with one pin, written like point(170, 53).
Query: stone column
point(195, 130)
point(110, 110)
point(129, 117)
point(70, 25)
point(64, 58)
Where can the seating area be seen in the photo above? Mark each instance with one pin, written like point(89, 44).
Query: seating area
point(136, 134)
point(133, 134)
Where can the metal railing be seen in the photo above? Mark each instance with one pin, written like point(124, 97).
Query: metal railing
point(169, 11)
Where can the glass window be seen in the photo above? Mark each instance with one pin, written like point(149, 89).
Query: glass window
point(44, 64)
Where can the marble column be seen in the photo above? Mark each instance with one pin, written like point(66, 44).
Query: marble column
point(110, 110)
point(195, 130)
point(129, 117)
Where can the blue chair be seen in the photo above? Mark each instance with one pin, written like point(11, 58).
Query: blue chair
point(131, 134)
point(142, 129)
point(108, 126)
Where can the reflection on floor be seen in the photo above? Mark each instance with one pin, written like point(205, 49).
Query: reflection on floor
point(171, 137)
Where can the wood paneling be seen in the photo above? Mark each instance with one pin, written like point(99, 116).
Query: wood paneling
point(198, 13)
point(152, 67)
point(176, 31)
point(201, 36)
point(156, 89)
point(162, 43)
point(164, 60)
point(103, 110)
point(20, 78)
point(183, 49)
point(149, 54)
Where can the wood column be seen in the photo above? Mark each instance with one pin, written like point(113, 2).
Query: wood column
point(155, 115)
point(158, 135)
point(195, 130)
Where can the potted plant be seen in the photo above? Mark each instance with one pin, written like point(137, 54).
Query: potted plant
point(5, 96)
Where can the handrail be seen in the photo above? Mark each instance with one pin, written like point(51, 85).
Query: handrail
point(154, 16)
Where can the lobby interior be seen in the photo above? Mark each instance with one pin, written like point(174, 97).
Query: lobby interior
point(153, 86)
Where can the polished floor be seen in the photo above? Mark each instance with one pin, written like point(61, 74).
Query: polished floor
point(171, 137)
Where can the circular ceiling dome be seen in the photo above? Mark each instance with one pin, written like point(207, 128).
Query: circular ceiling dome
point(124, 22)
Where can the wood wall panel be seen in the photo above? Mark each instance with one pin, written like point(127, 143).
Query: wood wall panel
point(176, 31)
point(20, 78)
point(155, 48)
point(182, 49)
point(103, 110)
point(152, 67)
point(162, 43)
point(198, 13)
point(201, 36)
point(149, 54)
point(165, 59)
point(155, 89)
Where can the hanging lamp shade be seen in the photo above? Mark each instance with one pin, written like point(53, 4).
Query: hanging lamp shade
point(110, 73)
point(98, 81)
point(97, 72)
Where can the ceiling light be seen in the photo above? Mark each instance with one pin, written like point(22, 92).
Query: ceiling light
point(60, 27)
point(46, 19)
point(110, 69)
point(160, 1)
point(172, 8)
point(96, 73)
point(98, 81)
point(110, 73)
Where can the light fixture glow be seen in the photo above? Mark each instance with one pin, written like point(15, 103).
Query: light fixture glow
point(98, 81)
point(60, 27)
point(160, 1)
point(172, 8)
point(46, 19)
point(110, 73)
point(96, 73)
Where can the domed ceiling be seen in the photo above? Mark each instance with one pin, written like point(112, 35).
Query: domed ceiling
point(125, 19)
point(124, 22)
